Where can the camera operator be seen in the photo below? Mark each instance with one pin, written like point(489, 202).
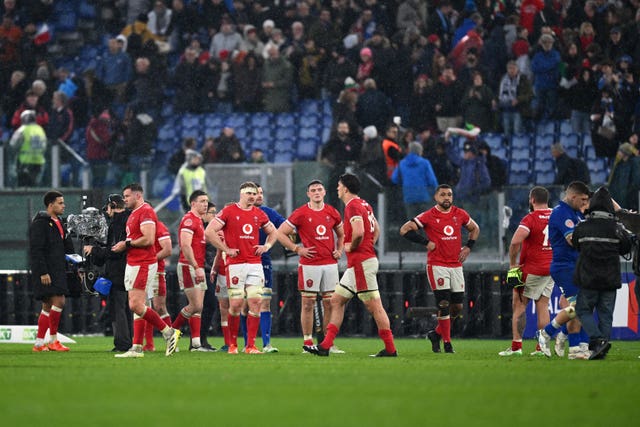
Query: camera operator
point(115, 263)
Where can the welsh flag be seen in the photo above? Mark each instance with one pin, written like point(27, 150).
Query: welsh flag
point(43, 35)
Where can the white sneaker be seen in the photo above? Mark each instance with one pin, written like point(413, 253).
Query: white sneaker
point(201, 349)
point(510, 352)
point(536, 353)
point(561, 339)
point(335, 350)
point(130, 353)
point(544, 340)
point(269, 349)
point(577, 353)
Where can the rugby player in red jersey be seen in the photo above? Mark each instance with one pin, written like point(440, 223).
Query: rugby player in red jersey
point(190, 269)
point(531, 241)
point(443, 225)
point(361, 232)
point(315, 223)
point(141, 269)
point(241, 223)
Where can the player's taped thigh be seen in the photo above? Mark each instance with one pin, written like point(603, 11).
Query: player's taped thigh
point(369, 295)
point(344, 292)
point(443, 301)
point(266, 292)
point(254, 291)
point(326, 296)
point(306, 294)
point(236, 293)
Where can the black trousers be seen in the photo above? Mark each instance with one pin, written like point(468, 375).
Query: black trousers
point(121, 318)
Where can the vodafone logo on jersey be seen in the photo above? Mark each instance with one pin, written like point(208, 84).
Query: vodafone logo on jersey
point(448, 230)
point(247, 229)
point(321, 230)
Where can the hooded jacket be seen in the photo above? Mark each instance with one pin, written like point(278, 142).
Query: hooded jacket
point(600, 240)
point(416, 176)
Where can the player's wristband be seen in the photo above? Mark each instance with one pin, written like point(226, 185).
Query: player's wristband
point(267, 246)
point(470, 243)
point(128, 244)
point(413, 236)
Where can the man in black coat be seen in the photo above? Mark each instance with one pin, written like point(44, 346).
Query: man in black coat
point(601, 240)
point(115, 263)
point(49, 241)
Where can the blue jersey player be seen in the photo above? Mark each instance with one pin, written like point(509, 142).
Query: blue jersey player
point(562, 222)
point(265, 305)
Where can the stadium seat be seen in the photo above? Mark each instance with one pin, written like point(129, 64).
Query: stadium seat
point(284, 144)
point(285, 132)
point(518, 153)
point(193, 132)
point(166, 132)
point(500, 152)
point(571, 144)
point(213, 120)
point(309, 132)
point(310, 106)
point(261, 132)
point(307, 149)
point(283, 157)
point(286, 120)
point(519, 171)
point(599, 177)
point(241, 132)
point(565, 127)
point(586, 142)
point(190, 121)
point(520, 141)
point(494, 140)
point(546, 127)
point(545, 178)
point(309, 119)
point(235, 120)
point(261, 119)
point(264, 144)
point(543, 165)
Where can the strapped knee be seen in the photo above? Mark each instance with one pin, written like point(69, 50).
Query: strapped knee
point(443, 300)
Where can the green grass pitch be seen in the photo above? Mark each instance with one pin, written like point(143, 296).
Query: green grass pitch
point(474, 387)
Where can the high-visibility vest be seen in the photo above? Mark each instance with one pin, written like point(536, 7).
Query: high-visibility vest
point(34, 145)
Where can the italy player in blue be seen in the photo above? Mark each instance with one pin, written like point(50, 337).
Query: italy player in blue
point(562, 222)
point(265, 305)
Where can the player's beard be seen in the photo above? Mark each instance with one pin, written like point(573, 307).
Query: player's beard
point(446, 205)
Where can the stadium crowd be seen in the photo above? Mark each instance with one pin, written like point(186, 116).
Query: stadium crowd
point(500, 66)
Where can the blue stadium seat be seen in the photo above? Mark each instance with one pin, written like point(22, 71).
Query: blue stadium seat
point(310, 106)
point(213, 131)
point(571, 144)
point(190, 133)
point(309, 132)
point(546, 127)
point(263, 144)
point(166, 132)
point(518, 153)
point(261, 132)
point(327, 121)
point(500, 152)
point(66, 22)
point(565, 127)
point(86, 10)
point(543, 165)
point(191, 121)
point(286, 119)
point(284, 145)
point(586, 142)
point(545, 178)
point(213, 120)
point(307, 149)
point(494, 140)
point(288, 132)
point(283, 157)
point(309, 119)
point(167, 110)
point(589, 153)
point(599, 177)
point(236, 120)
point(520, 141)
point(543, 142)
point(519, 172)
point(241, 132)
point(261, 119)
